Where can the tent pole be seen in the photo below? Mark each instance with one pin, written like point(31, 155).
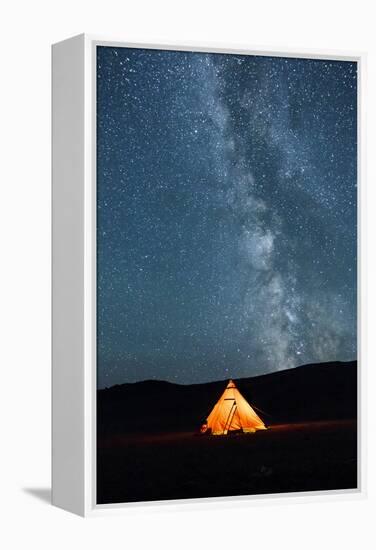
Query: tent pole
point(227, 421)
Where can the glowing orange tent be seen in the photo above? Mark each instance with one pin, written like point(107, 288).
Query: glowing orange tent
point(232, 413)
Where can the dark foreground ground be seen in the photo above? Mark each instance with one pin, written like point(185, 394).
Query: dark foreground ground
point(310, 456)
point(148, 447)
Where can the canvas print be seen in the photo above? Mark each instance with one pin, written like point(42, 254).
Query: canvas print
point(226, 275)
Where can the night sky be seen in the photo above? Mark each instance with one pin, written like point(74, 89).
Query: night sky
point(226, 214)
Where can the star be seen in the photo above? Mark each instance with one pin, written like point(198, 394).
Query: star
point(226, 214)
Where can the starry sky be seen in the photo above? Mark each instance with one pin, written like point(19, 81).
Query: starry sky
point(226, 214)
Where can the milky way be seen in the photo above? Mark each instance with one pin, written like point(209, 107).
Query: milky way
point(226, 214)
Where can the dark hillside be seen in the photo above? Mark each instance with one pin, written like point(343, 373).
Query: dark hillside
point(326, 391)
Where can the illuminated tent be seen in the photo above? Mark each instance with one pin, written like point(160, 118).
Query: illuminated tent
point(232, 413)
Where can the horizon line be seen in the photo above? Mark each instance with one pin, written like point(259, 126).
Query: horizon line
point(225, 379)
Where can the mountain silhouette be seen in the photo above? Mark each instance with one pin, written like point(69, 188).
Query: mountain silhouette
point(314, 392)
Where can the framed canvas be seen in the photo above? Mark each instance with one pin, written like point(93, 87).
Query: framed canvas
point(206, 274)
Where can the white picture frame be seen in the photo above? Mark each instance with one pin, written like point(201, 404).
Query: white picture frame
point(74, 274)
